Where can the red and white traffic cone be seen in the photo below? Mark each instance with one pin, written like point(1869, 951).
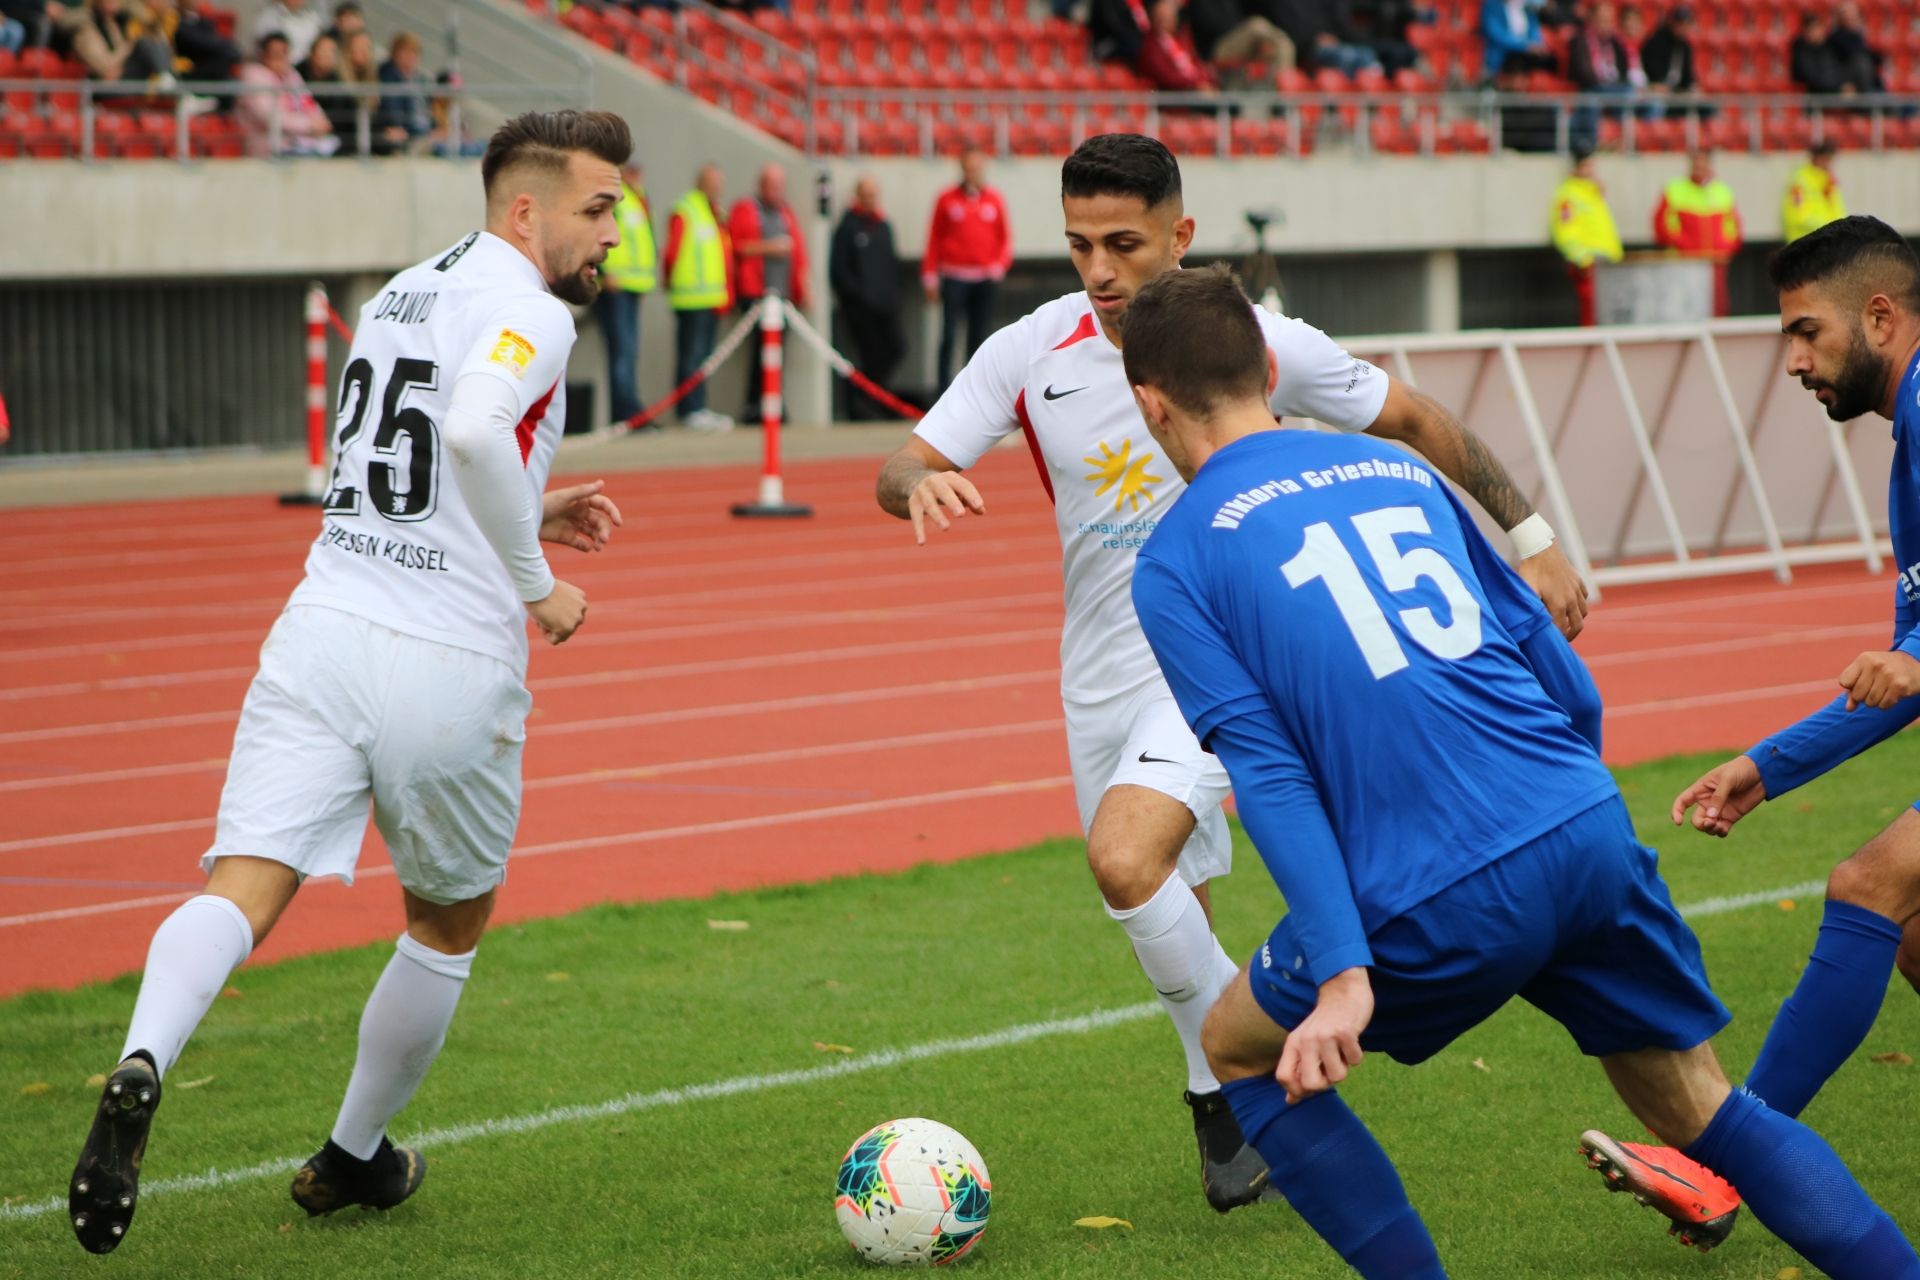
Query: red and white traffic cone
point(773, 494)
point(315, 492)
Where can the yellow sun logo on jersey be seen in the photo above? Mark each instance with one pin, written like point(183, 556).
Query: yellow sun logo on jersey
point(1124, 473)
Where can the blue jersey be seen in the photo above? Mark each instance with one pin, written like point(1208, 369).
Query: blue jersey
point(1833, 735)
point(1338, 632)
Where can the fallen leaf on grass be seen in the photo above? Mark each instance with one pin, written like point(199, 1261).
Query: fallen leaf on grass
point(195, 1084)
point(735, 925)
point(1787, 1273)
point(824, 1047)
point(286, 1226)
point(1482, 1064)
point(558, 977)
point(35, 1089)
point(232, 993)
point(1101, 1224)
point(97, 1080)
point(1895, 1059)
point(1786, 904)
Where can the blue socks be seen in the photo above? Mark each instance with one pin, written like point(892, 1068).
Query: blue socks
point(1336, 1177)
point(1799, 1190)
point(1830, 1012)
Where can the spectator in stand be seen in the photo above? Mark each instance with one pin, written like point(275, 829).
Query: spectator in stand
point(1667, 54)
point(347, 19)
point(1231, 40)
point(1165, 61)
point(1696, 217)
point(770, 262)
point(1813, 194)
point(36, 18)
point(450, 134)
point(630, 272)
point(699, 269)
point(1118, 28)
point(303, 126)
point(1510, 29)
point(323, 67)
point(1813, 63)
point(101, 34)
point(1597, 63)
point(1583, 229)
point(969, 248)
point(13, 33)
point(360, 64)
point(1335, 42)
point(197, 41)
point(1383, 26)
point(405, 120)
point(864, 271)
point(1859, 64)
point(300, 21)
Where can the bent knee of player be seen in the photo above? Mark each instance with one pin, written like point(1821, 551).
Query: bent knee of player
point(1237, 1045)
point(1883, 877)
point(260, 887)
point(1907, 959)
point(1128, 868)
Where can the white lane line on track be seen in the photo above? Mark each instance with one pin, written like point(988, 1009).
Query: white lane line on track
point(1100, 1019)
point(120, 726)
point(109, 833)
point(114, 775)
point(1658, 705)
point(989, 791)
point(1789, 595)
point(732, 1087)
point(134, 644)
point(120, 684)
point(1863, 630)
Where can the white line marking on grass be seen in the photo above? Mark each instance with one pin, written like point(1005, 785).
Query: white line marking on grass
point(213, 1179)
point(1740, 902)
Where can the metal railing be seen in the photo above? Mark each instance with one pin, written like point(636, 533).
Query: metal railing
point(187, 101)
point(1703, 458)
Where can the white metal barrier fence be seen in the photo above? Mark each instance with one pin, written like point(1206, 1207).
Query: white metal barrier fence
point(1662, 452)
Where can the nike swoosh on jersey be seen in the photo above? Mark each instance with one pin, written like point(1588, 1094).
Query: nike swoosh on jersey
point(1147, 759)
point(1051, 394)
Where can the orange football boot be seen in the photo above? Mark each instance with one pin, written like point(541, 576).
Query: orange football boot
point(1702, 1205)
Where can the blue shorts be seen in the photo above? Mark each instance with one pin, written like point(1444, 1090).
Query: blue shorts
point(1578, 923)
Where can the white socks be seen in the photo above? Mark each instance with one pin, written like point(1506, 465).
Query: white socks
point(1187, 967)
point(401, 1032)
point(192, 952)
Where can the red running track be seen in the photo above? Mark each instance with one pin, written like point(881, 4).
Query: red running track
point(750, 703)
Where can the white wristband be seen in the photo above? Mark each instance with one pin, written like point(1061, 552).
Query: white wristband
point(1531, 536)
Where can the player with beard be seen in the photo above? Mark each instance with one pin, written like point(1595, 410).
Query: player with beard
point(397, 674)
point(1149, 797)
point(1850, 307)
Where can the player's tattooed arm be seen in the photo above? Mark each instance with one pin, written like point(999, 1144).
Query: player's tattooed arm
point(1419, 421)
point(919, 483)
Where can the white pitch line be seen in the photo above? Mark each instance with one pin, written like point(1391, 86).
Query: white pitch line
point(212, 1179)
point(1740, 902)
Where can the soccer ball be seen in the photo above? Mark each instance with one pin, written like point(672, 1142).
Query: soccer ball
point(912, 1193)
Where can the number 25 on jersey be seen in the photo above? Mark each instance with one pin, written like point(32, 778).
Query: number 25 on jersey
point(397, 423)
point(1325, 558)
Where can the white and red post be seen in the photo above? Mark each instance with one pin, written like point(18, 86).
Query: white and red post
point(773, 494)
point(316, 488)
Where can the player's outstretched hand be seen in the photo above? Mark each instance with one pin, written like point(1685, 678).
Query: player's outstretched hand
point(561, 613)
point(1880, 679)
point(580, 516)
point(1327, 1041)
point(1724, 796)
point(1560, 587)
point(937, 494)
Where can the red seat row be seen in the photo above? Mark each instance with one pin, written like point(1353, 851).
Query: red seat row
point(125, 135)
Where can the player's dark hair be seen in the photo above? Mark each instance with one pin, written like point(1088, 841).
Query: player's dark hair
point(1121, 164)
point(1860, 256)
point(544, 140)
point(1193, 335)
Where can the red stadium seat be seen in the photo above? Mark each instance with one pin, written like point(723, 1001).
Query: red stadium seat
point(1328, 80)
point(1407, 80)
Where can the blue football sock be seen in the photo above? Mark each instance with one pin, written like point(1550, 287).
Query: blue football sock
point(1799, 1190)
point(1337, 1179)
point(1830, 1012)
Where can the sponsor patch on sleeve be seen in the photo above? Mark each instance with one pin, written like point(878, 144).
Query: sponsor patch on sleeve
point(513, 351)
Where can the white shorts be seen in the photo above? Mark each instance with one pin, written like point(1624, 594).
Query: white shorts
point(1141, 739)
point(346, 711)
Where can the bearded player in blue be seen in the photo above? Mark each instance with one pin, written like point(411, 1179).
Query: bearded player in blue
point(1380, 687)
point(1850, 307)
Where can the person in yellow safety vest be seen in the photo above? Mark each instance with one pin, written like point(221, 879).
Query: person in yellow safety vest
point(1813, 196)
point(1696, 217)
point(1583, 229)
point(629, 273)
point(699, 267)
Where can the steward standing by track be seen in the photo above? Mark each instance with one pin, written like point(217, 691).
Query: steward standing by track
point(397, 673)
point(626, 277)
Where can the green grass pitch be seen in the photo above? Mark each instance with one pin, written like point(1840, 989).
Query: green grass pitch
point(617, 999)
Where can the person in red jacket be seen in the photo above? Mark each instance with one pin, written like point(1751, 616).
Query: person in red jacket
point(1697, 218)
point(771, 261)
point(969, 248)
point(1167, 62)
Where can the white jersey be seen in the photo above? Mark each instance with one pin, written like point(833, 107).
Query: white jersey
point(398, 545)
point(1055, 375)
